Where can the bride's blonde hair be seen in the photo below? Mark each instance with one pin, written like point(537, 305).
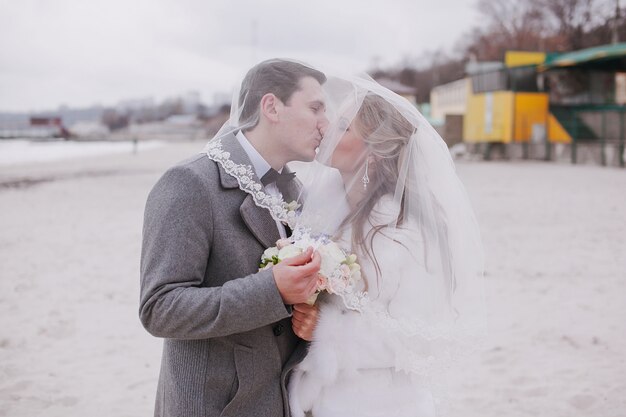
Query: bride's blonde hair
point(385, 133)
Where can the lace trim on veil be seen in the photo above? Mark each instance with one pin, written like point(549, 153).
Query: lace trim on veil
point(279, 210)
point(246, 179)
point(352, 298)
point(414, 362)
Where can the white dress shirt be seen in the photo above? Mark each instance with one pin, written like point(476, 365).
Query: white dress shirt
point(261, 166)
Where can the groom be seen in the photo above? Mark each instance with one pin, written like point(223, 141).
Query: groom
point(230, 332)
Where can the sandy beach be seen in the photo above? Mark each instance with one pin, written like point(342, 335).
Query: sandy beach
point(71, 343)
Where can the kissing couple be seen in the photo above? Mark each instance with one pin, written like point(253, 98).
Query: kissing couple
point(375, 178)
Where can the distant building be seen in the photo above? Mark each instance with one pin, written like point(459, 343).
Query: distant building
point(545, 106)
point(448, 107)
point(450, 99)
point(49, 126)
point(36, 127)
point(398, 88)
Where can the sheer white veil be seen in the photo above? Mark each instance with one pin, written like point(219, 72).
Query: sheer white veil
point(280, 77)
point(402, 183)
point(411, 195)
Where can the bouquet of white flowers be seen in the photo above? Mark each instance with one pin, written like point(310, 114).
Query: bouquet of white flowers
point(339, 273)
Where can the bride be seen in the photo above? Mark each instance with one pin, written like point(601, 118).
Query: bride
point(384, 187)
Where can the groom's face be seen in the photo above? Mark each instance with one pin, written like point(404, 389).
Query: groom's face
point(303, 121)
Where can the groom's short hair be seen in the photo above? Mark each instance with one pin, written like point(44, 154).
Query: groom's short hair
point(276, 76)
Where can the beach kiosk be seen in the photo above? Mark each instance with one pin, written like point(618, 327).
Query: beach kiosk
point(537, 104)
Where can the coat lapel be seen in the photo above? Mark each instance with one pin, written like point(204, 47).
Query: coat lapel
point(257, 219)
point(231, 145)
point(260, 222)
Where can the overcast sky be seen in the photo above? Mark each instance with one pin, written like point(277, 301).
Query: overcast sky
point(84, 52)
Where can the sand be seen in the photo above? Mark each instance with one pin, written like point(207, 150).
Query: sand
point(71, 343)
point(555, 237)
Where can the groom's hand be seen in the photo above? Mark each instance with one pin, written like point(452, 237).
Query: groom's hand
point(296, 277)
point(304, 320)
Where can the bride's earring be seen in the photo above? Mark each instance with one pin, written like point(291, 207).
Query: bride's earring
point(366, 179)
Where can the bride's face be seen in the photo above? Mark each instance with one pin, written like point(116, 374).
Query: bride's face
point(350, 152)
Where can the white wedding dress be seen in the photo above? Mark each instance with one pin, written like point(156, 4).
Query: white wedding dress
point(355, 367)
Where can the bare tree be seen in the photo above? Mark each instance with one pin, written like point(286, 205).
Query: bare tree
point(428, 70)
point(520, 25)
point(505, 25)
point(535, 25)
point(571, 20)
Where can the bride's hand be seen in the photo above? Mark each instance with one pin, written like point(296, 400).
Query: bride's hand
point(304, 320)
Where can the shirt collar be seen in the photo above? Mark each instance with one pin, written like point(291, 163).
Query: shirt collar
point(260, 165)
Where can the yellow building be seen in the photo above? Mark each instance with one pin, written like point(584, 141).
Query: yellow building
point(576, 99)
point(506, 105)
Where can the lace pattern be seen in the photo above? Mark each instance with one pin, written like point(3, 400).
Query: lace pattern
point(352, 298)
point(245, 177)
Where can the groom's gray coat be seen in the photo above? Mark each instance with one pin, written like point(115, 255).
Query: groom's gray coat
point(228, 339)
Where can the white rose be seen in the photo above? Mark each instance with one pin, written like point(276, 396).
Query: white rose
point(288, 252)
point(333, 251)
point(332, 257)
point(269, 253)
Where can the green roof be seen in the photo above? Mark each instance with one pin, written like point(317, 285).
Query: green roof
point(589, 56)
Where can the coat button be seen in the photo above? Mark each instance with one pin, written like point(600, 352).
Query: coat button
point(278, 329)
